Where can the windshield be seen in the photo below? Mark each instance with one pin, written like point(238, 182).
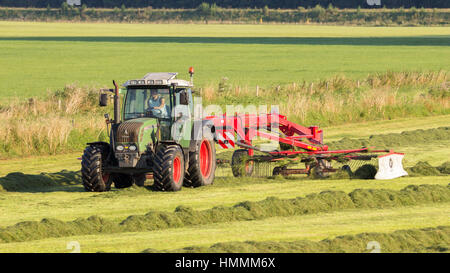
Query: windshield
point(147, 103)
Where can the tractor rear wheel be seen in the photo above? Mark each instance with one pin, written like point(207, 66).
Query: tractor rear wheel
point(168, 168)
point(202, 163)
point(94, 177)
point(240, 165)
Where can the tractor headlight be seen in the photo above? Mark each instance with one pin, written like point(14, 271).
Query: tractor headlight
point(132, 148)
point(119, 148)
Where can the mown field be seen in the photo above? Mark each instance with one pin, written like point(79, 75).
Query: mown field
point(58, 195)
point(384, 87)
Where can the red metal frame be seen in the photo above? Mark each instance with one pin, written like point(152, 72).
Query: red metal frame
point(247, 126)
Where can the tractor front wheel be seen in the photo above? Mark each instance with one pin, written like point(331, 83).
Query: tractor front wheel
point(168, 168)
point(94, 177)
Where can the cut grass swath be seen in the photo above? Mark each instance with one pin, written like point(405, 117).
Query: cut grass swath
point(245, 211)
point(412, 240)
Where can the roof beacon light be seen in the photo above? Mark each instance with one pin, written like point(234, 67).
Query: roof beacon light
point(191, 72)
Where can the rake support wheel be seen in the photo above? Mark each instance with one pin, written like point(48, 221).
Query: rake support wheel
point(320, 170)
point(240, 165)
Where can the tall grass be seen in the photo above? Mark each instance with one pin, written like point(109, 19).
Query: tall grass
point(62, 122)
point(66, 119)
point(340, 100)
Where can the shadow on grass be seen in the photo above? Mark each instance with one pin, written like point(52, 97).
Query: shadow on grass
point(68, 181)
point(44, 182)
point(438, 40)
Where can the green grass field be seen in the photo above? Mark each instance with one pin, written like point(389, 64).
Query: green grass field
point(36, 57)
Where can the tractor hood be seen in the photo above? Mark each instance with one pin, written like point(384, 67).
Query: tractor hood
point(140, 132)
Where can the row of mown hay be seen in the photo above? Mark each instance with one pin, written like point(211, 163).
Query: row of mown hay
point(412, 240)
point(386, 141)
point(245, 211)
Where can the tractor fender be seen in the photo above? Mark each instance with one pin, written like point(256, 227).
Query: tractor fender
point(199, 128)
point(100, 143)
point(106, 145)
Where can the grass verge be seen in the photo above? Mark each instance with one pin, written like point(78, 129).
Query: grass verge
point(67, 119)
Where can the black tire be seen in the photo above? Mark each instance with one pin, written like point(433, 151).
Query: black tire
point(202, 163)
point(92, 165)
point(139, 179)
point(278, 170)
point(238, 165)
point(347, 169)
point(165, 176)
point(319, 170)
point(127, 180)
point(366, 171)
point(122, 181)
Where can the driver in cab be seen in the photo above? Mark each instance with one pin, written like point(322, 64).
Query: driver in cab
point(156, 104)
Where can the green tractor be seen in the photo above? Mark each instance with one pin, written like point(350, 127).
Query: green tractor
point(153, 134)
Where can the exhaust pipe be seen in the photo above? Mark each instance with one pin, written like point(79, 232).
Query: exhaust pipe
point(116, 104)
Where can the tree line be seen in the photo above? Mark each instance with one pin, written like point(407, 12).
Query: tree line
point(189, 4)
point(211, 13)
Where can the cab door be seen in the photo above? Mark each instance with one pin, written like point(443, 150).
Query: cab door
point(182, 117)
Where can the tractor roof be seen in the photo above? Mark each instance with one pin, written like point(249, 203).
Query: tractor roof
point(160, 78)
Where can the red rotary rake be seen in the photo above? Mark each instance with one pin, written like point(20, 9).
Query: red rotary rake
point(298, 144)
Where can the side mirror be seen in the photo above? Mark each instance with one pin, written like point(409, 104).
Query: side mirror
point(184, 99)
point(103, 100)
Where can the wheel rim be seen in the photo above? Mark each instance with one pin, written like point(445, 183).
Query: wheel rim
point(205, 158)
point(176, 170)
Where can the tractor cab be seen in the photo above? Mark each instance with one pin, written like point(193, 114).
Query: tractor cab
point(156, 95)
point(159, 100)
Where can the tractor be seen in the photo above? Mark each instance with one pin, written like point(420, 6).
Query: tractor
point(154, 134)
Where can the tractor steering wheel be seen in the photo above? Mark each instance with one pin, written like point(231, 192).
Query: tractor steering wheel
point(154, 112)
